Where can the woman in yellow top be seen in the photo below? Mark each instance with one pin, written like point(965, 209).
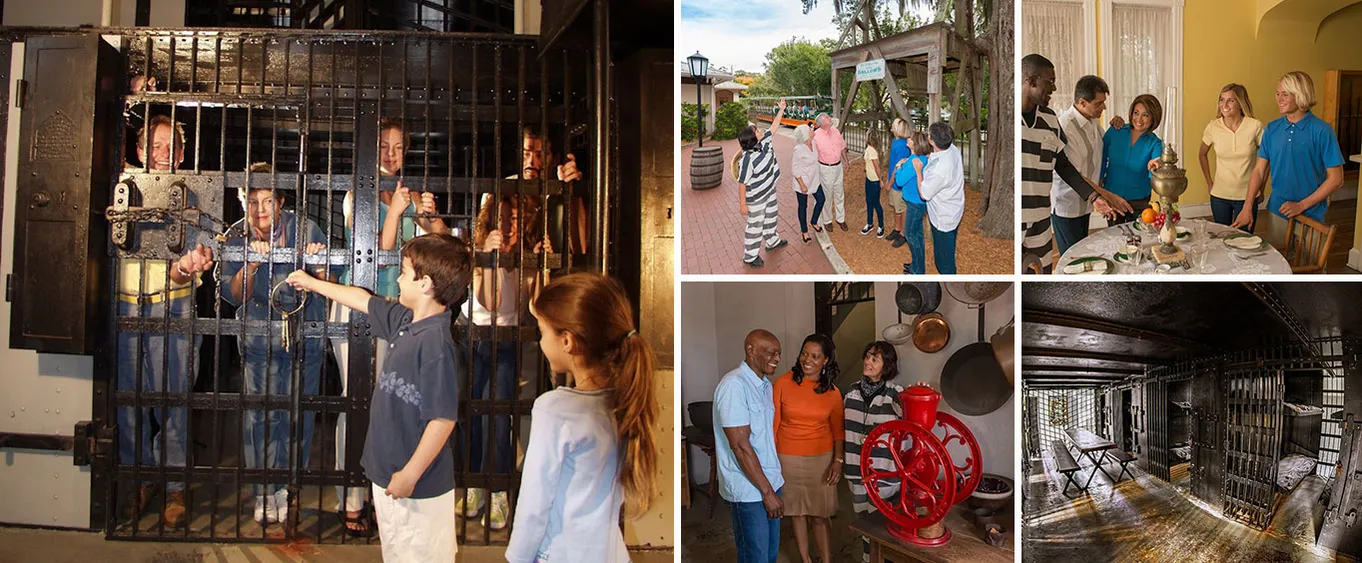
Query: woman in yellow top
point(809, 436)
point(1235, 136)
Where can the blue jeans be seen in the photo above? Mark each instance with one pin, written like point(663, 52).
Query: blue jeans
point(164, 360)
point(803, 200)
point(943, 250)
point(872, 203)
point(496, 434)
point(912, 231)
point(266, 440)
point(757, 537)
point(1069, 231)
point(1224, 211)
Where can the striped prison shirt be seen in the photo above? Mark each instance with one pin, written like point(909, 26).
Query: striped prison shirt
point(758, 170)
point(860, 418)
point(1043, 155)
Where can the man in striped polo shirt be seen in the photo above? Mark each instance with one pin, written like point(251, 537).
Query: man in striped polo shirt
point(1042, 156)
point(758, 172)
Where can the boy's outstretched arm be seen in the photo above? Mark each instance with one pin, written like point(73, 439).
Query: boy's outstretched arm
point(356, 298)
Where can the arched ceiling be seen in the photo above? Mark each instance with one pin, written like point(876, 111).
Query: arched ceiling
point(1313, 12)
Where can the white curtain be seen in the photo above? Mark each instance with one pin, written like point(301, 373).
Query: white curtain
point(1142, 61)
point(1055, 31)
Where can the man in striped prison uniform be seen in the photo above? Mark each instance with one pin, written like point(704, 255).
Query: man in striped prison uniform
point(758, 172)
point(1043, 156)
point(872, 401)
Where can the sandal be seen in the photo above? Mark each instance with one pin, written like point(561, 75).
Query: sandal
point(817, 228)
point(359, 526)
point(806, 237)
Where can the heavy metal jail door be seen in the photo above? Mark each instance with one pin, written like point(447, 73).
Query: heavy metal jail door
point(1253, 427)
point(311, 105)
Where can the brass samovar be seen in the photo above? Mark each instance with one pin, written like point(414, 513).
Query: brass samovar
point(1168, 182)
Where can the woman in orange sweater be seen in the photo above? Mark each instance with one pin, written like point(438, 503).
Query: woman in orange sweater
point(809, 436)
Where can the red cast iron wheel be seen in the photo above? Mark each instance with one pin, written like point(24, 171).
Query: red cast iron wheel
point(968, 471)
point(920, 464)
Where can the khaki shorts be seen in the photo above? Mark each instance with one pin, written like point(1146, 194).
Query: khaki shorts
point(896, 201)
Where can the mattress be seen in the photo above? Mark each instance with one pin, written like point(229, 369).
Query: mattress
point(1291, 469)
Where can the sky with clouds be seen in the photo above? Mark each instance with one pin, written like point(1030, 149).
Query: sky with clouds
point(738, 33)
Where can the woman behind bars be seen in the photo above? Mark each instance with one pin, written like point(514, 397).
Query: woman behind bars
point(397, 211)
point(504, 224)
point(267, 361)
point(808, 425)
point(592, 452)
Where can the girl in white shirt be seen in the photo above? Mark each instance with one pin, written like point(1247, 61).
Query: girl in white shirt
point(592, 453)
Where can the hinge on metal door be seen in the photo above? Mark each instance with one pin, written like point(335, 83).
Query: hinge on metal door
point(20, 93)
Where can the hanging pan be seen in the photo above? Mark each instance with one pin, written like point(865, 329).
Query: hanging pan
point(916, 298)
point(898, 334)
point(931, 333)
point(1003, 347)
point(973, 383)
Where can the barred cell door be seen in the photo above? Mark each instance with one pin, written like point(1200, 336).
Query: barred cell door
point(1253, 426)
point(229, 407)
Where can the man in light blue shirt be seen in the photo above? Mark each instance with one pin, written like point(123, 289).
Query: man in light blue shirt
point(749, 471)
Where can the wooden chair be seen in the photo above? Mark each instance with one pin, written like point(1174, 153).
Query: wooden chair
point(701, 435)
point(1307, 244)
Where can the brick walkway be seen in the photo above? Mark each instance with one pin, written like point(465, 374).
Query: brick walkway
point(712, 229)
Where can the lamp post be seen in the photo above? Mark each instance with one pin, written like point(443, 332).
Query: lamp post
point(699, 69)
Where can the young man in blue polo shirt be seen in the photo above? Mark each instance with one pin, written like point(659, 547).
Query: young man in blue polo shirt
point(1301, 152)
point(416, 397)
point(745, 443)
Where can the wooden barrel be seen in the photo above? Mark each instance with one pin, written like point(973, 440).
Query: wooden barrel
point(706, 167)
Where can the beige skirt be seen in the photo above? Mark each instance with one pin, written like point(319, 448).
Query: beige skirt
point(805, 493)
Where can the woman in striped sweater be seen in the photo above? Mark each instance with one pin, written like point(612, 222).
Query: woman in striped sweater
point(870, 402)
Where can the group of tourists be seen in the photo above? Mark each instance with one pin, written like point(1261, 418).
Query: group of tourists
point(1071, 167)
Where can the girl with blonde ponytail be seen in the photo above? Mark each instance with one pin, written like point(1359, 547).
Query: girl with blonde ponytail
point(592, 451)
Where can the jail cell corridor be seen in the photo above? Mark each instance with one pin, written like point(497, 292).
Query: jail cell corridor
point(219, 402)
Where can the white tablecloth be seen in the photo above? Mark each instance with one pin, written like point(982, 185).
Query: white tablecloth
point(1219, 258)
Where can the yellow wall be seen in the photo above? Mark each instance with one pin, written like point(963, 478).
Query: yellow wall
point(1219, 47)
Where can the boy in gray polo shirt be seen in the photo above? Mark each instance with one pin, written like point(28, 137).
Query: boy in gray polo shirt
point(416, 397)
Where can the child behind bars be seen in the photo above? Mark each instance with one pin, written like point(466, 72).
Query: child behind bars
point(416, 397)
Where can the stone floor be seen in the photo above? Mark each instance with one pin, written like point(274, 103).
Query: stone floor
point(706, 540)
point(1146, 519)
point(51, 546)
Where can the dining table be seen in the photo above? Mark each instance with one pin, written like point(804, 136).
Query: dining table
point(1205, 244)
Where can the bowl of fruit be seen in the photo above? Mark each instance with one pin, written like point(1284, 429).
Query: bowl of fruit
point(1153, 219)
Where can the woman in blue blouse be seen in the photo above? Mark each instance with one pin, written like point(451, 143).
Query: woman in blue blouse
point(1129, 153)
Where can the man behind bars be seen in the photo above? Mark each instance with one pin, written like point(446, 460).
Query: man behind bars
point(267, 366)
point(155, 289)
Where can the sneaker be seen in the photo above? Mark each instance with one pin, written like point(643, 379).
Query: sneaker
point(866, 230)
point(470, 505)
point(500, 506)
point(899, 242)
point(894, 235)
point(756, 263)
point(267, 508)
point(780, 244)
point(281, 505)
point(879, 233)
point(173, 515)
point(138, 504)
point(905, 270)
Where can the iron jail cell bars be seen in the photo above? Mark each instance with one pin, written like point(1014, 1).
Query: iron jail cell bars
point(309, 104)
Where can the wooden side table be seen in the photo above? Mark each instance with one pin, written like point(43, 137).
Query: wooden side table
point(966, 545)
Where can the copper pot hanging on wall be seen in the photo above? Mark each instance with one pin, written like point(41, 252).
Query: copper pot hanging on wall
point(931, 333)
